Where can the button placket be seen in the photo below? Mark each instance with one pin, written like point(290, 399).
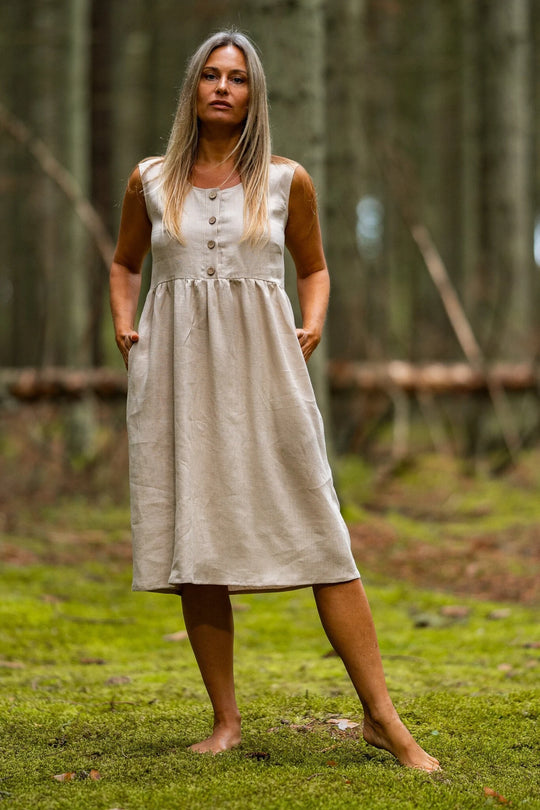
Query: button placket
point(211, 243)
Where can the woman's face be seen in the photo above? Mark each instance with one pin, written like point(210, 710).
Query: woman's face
point(223, 92)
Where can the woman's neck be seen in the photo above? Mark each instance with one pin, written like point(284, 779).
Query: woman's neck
point(214, 164)
point(215, 148)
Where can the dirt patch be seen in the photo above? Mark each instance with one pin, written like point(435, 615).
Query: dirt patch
point(501, 566)
point(58, 547)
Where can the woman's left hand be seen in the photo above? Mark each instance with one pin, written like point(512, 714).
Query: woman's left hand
point(308, 342)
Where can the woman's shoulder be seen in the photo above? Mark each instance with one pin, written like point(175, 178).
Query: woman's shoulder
point(149, 173)
point(283, 173)
point(299, 176)
point(154, 159)
point(294, 182)
point(149, 163)
point(278, 160)
point(140, 169)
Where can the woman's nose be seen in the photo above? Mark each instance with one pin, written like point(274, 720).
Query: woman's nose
point(222, 85)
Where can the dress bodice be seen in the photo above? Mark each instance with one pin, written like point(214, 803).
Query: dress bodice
point(212, 224)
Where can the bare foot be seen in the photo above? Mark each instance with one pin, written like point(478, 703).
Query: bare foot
point(393, 736)
point(224, 737)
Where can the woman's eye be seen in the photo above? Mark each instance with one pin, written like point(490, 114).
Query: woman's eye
point(209, 76)
point(238, 80)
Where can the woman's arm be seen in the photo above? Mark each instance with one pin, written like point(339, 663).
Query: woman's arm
point(303, 239)
point(125, 276)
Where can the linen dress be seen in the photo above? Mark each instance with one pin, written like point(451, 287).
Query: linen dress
point(229, 478)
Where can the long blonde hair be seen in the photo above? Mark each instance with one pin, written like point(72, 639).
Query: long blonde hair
point(253, 148)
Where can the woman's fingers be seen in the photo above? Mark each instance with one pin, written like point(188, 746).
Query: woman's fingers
point(130, 339)
point(308, 342)
point(125, 342)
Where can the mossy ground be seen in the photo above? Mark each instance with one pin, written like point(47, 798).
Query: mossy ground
point(88, 681)
point(438, 526)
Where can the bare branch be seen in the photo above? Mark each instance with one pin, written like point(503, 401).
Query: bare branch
point(401, 186)
point(63, 179)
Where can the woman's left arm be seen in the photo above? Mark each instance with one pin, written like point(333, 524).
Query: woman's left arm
point(304, 241)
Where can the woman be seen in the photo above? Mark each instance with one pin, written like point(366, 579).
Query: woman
point(230, 486)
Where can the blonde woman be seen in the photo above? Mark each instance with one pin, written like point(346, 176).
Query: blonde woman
point(231, 491)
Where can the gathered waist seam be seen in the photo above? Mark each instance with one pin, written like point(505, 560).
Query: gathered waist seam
point(273, 283)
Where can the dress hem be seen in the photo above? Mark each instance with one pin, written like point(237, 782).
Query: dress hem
point(240, 589)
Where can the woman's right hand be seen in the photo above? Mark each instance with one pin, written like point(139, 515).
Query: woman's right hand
point(124, 341)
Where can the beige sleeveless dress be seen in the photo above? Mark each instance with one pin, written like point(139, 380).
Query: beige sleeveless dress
point(229, 478)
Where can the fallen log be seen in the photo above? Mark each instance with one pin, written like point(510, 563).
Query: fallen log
point(33, 384)
point(435, 378)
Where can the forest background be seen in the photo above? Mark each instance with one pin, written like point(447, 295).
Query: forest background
point(420, 123)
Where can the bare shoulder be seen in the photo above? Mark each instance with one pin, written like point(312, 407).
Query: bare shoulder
point(134, 185)
point(303, 195)
point(302, 186)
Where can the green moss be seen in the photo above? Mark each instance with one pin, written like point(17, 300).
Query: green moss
point(466, 689)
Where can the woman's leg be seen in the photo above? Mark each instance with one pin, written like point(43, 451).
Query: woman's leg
point(209, 623)
point(347, 620)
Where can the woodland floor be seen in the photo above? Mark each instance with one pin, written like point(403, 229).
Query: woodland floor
point(98, 686)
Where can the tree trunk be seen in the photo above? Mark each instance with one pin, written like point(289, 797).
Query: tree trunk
point(354, 248)
point(61, 59)
point(101, 180)
point(21, 290)
point(506, 222)
point(470, 157)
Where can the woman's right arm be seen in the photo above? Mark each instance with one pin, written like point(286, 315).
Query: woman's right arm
point(125, 276)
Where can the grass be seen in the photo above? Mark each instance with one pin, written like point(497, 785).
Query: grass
point(88, 681)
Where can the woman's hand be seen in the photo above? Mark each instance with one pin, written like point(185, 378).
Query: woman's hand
point(124, 341)
point(308, 340)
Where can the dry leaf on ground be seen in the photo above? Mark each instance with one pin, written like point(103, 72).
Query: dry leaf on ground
point(494, 795)
point(71, 775)
point(455, 611)
point(343, 723)
point(181, 635)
